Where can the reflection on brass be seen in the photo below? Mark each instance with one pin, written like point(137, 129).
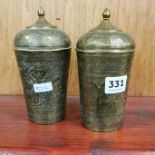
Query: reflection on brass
point(103, 52)
point(43, 55)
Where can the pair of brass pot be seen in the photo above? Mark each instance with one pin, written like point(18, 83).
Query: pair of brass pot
point(104, 61)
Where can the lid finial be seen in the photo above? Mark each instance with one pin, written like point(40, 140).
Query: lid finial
point(41, 12)
point(106, 14)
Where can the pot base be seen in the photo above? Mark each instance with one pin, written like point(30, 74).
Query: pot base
point(103, 128)
point(46, 119)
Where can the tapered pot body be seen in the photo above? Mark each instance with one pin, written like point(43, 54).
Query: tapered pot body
point(101, 111)
point(44, 77)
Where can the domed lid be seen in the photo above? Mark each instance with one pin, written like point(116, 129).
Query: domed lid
point(41, 36)
point(105, 37)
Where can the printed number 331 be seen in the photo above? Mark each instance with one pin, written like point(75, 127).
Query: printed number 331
point(116, 83)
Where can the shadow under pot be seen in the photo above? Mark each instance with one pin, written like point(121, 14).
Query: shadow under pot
point(104, 60)
point(43, 55)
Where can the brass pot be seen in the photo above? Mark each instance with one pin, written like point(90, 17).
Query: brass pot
point(43, 55)
point(104, 60)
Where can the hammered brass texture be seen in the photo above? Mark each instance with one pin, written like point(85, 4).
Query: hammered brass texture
point(100, 111)
point(41, 67)
point(103, 52)
point(43, 56)
point(41, 36)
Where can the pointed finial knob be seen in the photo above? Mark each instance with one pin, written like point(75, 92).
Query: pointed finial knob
point(106, 14)
point(41, 12)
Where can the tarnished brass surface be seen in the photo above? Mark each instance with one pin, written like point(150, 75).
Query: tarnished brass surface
point(103, 52)
point(43, 55)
